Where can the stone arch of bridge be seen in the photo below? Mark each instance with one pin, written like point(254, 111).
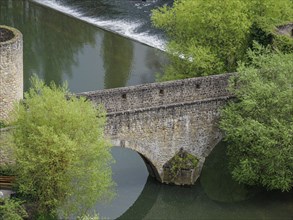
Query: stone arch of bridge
point(151, 168)
point(145, 155)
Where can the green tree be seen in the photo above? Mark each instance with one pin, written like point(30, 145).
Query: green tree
point(11, 209)
point(259, 125)
point(63, 160)
point(210, 37)
point(265, 16)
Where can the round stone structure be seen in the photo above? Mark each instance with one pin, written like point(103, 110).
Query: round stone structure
point(11, 70)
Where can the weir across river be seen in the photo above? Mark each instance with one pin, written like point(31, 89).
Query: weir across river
point(165, 121)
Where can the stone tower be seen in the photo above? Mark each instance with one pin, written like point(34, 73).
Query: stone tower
point(11, 69)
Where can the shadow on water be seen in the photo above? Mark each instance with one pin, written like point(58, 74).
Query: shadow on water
point(215, 196)
point(144, 202)
point(217, 181)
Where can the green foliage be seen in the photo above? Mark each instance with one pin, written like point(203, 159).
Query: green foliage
point(63, 159)
point(89, 217)
point(259, 125)
point(2, 124)
point(11, 209)
point(283, 43)
point(7, 155)
point(8, 170)
point(213, 33)
point(267, 14)
point(182, 160)
point(212, 36)
point(195, 61)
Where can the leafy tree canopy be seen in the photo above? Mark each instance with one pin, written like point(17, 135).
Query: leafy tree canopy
point(210, 37)
point(267, 14)
point(259, 125)
point(63, 159)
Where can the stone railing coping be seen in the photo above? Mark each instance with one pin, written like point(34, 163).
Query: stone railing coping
point(155, 85)
point(16, 33)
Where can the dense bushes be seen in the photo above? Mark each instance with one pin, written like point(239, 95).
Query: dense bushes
point(211, 37)
point(259, 125)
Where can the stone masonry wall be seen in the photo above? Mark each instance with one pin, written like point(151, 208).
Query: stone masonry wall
point(159, 94)
point(11, 69)
point(159, 119)
point(159, 133)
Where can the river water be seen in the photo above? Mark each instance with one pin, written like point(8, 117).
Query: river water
point(63, 42)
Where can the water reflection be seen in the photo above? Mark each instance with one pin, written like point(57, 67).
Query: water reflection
point(130, 175)
point(51, 39)
point(58, 47)
point(118, 56)
point(215, 196)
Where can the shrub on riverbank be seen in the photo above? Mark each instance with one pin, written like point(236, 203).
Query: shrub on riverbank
point(259, 125)
point(63, 160)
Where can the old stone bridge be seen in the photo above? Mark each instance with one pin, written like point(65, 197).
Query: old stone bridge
point(167, 123)
point(172, 125)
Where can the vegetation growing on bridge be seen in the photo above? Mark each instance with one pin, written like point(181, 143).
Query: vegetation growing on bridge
point(63, 160)
point(181, 161)
point(259, 126)
point(211, 37)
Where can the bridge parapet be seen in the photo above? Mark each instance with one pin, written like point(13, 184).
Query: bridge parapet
point(160, 94)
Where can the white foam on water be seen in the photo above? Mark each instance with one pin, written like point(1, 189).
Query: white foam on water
point(121, 27)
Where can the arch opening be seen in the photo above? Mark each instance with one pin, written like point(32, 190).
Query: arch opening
point(151, 168)
point(153, 172)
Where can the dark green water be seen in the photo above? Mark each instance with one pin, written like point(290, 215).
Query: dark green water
point(215, 196)
point(61, 48)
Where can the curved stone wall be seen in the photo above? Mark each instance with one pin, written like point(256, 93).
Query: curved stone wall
point(11, 69)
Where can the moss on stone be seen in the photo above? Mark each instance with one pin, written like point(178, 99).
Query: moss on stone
point(181, 161)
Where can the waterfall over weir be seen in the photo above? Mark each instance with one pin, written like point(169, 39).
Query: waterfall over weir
point(129, 18)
